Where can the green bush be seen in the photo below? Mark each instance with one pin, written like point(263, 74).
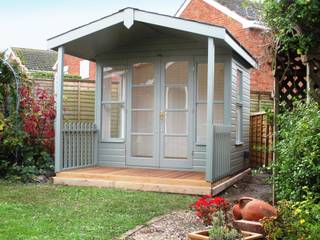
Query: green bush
point(300, 220)
point(26, 126)
point(298, 164)
point(45, 74)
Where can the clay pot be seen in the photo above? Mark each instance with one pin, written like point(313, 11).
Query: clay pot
point(252, 209)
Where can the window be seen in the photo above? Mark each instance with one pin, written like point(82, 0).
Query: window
point(201, 100)
point(239, 107)
point(84, 69)
point(113, 103)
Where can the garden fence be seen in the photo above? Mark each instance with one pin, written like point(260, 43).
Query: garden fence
point(78, 100)
point(261, 140)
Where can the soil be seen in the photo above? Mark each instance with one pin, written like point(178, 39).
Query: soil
point(176, 225)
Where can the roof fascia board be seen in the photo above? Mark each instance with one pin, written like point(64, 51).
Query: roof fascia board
point(235, 46)
point(180, 24)
point(128, 17)
point(182, 8)
point(85, 30)
point(151, 18)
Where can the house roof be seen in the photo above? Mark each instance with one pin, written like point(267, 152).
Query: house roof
point(245, 12)
point(36, 59)
point(244, 8)
point(130, 24)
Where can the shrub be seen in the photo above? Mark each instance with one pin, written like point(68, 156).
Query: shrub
point(45, 74)
point(220, 229)
point(26, 126)
point(298, 164)
point(299, 220)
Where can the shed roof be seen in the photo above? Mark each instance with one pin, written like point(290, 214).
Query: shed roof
point(36, 59)
point(128, 24)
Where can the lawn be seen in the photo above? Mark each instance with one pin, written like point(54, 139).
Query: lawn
point(60, 212)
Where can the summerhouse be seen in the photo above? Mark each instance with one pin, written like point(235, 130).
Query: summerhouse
point(172, 104)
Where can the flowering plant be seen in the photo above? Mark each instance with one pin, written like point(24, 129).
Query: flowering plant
point(206, 206)
point(38, 114)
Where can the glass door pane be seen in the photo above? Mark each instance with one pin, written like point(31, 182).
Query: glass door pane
point(142, 111)
point(176, 114)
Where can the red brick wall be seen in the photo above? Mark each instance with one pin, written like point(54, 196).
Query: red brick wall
point(74, 66)
point(251, 39)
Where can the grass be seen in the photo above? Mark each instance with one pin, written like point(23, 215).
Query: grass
point(59, 212)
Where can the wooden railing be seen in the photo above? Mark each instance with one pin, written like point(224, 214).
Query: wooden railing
point(79, 142)
point(222, 151)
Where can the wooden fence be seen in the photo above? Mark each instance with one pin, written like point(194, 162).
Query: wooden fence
point(78, 100)
point(222, 151)
point(260, 101)
point(79, 141)
point(261, 140)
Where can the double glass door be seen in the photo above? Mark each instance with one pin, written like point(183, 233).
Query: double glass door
point(159, 120)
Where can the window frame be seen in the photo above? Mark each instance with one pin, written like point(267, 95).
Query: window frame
point(121, 102)
point(204, 102)
point(239, 107)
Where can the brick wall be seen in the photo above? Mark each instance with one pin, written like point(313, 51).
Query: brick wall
point(251, 39)
point(74, 66)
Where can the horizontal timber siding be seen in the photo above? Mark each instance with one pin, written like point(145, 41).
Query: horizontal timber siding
point(238, 162)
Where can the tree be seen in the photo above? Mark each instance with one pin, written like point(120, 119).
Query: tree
point(295, 27)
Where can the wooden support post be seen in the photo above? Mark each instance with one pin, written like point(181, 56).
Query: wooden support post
point(59, 111)
point(210, 113)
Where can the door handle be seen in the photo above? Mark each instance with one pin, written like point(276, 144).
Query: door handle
point(162, 115)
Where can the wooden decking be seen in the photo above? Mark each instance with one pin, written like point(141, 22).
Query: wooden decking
point(185, 182)
point(171, 181)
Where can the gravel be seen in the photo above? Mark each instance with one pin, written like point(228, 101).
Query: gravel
point(176, 225)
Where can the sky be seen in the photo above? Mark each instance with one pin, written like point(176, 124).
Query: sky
point(29, 23)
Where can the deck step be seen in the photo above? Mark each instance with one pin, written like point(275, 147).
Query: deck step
point(133, 185)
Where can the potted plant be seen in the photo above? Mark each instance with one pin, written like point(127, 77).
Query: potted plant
point(214, 212)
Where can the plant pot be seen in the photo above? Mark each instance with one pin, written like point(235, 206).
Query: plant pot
point(204, 235)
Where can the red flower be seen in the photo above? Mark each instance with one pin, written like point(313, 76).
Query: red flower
point(206, 206)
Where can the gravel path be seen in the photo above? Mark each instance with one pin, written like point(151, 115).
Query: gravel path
point(176, 225)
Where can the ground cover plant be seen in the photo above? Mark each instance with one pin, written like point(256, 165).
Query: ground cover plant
point(30, 211)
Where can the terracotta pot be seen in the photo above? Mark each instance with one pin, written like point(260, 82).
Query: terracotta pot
point(204, 235)
point(252, 209)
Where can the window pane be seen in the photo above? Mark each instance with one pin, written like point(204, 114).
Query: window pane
point(201, 123)
point(239, 86)
point(143, 73)
point(113, 83)
point(142, 121)
point(141, 146)
point(112, 121)
point(177, 72)
point(239, 124)
point(219, 82)
point(218, 113)
point(176, 147)
point(143, 97)
point(202, 120)
point(176, 97)
point(176, 123)
point(202, 73)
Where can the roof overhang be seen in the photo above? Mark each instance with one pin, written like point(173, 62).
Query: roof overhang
point(129, 16)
